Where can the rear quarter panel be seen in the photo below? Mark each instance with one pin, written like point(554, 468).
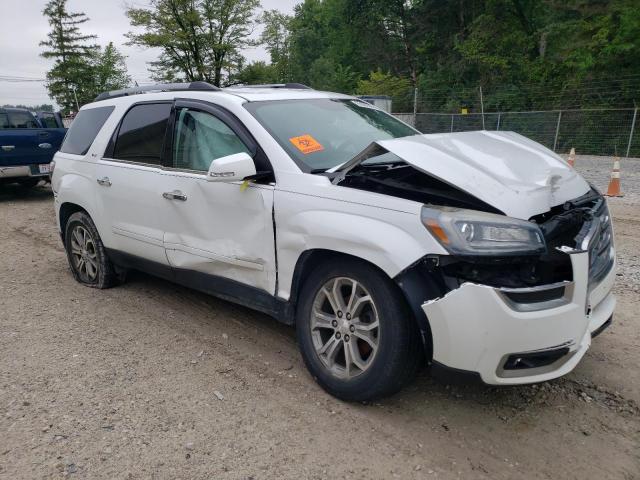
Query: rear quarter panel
point(73, 182)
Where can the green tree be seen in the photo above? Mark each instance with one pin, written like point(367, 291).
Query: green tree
point(275, 37)
point(110, 70)
point(257, 73)
point(325, 74)
point(45, 107)
point(199, 39)
point(380, 83)
point(72, 54)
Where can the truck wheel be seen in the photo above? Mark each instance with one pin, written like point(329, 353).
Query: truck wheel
point(29, 182)
point(86, 254)
point(355, 331)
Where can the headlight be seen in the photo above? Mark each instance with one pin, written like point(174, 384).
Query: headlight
point(468, 232)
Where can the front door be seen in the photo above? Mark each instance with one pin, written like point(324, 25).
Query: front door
point(221, 229)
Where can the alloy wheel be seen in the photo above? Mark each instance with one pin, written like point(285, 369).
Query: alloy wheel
point(345, 327)
point(83, 253)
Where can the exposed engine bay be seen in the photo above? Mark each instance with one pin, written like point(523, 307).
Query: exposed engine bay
point(401, 180)
point(580, 224)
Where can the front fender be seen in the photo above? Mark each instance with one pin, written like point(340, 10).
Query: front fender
point(391, 241)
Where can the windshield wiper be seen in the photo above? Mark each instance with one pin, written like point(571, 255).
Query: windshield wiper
point(318, 170)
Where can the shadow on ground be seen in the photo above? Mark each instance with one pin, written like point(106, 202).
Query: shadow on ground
point(13, 192)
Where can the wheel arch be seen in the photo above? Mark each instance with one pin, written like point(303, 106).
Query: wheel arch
point(75, 193)
point(66, 210)
point(410, 282)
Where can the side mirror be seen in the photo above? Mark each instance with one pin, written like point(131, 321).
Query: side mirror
point(231, 168)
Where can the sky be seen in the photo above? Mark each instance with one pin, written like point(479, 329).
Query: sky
point(24, 26)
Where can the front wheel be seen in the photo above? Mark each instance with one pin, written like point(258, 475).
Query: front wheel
point(356, 334)
point(28, 182)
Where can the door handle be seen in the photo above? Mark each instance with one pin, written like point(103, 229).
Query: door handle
point(8, 148)
point(44, 145)
point(175, 195)
point(104, 181)
point(43, 134)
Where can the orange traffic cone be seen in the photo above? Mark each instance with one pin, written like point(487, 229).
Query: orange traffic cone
point(572, 157)
point(614, 183)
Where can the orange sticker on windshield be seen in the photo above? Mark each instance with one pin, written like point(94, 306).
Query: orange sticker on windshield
point(306, 144)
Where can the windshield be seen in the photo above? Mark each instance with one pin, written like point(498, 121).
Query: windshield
point(322, 133)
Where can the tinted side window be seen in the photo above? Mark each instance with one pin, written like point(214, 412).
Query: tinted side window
point(202, 138)
point(22, 120)
point(48, 121)
point(84, 129)
point(142, 132)
point(4, 120)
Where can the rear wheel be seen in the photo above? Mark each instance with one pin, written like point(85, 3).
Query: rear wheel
point(356, 334)
point(86, 254)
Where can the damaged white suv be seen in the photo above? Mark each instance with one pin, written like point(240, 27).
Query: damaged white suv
point(481, 254)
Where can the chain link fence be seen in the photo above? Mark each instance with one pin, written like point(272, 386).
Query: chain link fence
point(589, 131)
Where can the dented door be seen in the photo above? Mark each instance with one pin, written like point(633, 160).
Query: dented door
point(221, 229)
point(217, 228)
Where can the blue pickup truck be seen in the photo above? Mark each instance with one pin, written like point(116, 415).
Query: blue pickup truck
point(28, 142)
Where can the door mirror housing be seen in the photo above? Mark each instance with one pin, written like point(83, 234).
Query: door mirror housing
point(231, 168)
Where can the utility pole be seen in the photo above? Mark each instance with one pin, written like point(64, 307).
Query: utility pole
point(482, 107)
point(76, 97)
point(555, 139)
point(415, 105)
point(633, 126)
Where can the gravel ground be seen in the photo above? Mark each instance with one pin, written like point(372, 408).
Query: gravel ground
point(597, 170)
point(151, 380)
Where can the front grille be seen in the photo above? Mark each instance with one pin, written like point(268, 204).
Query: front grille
point(535, 295)
point(599, 243)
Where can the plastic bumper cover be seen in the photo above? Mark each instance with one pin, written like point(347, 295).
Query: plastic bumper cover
point(478, 329)
point(20, 172)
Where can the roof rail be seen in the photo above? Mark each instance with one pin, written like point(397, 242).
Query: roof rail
point(159, 87)
point(294, 86)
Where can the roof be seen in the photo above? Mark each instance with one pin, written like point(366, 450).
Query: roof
point(13, 109)
point(239, 94)
point(261, 94)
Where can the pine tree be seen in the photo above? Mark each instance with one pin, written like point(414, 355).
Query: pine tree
point(71, 74)
point(110, 70)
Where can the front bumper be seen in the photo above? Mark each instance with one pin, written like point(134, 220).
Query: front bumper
point(477, 329)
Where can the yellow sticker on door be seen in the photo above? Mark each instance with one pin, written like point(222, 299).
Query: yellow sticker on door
point(306, 144)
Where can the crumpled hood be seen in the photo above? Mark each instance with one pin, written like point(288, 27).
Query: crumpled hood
point(504, 169)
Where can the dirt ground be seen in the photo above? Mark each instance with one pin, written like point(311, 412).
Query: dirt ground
point(151, 380)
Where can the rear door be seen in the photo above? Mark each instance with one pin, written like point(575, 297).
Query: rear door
point(131, 183)
point(53, 126)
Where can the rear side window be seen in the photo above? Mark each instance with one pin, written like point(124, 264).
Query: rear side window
point(22, 120)
point(142, 133)
point(48, 121)
point(84, 129)
point(4, 120)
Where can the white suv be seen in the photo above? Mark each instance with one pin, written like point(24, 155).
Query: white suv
point(481, 254)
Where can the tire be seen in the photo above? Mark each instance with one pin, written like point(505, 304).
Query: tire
point(29, 182)
point(324, 335)
point(86, 253)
